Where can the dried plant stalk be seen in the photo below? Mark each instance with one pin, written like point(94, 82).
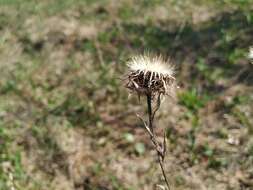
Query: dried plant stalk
point(151, 77)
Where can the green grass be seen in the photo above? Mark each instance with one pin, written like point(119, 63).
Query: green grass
point(10, 159)
point(192, 100)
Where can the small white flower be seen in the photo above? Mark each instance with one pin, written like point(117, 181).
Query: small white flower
point(251, 54)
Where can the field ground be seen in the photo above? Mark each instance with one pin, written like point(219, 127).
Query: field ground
point(67, 123)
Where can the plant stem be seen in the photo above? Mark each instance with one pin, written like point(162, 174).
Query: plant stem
point(158, 148)
point(149, 103)
point(164, 175)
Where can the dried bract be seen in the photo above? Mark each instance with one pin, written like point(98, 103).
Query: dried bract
point(150, 75)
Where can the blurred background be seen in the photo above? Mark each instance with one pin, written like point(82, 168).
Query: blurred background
point(66, 122)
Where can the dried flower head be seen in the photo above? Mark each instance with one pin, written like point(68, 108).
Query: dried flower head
point(150, 75)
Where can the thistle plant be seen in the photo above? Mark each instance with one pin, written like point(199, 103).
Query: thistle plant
point(151, 77)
